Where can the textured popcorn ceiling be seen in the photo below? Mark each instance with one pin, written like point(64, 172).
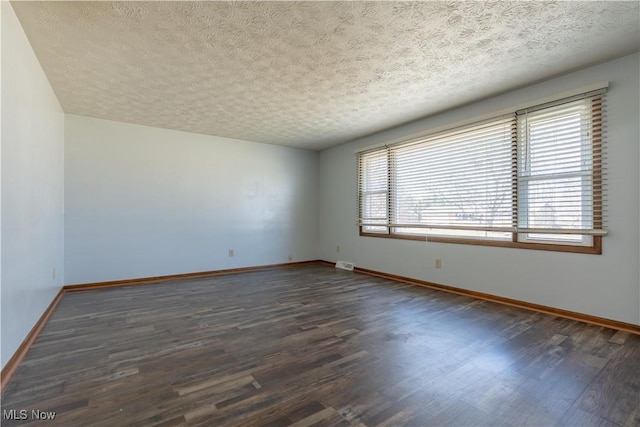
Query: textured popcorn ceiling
point(310, 74)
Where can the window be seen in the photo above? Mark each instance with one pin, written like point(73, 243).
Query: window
point(374, 173)
point(530, 179)
point(556, 171)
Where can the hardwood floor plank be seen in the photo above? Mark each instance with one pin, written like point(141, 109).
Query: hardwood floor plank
point(615, 393)
point(317, 346)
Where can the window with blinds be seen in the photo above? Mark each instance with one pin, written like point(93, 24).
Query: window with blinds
point(560, 172)
point(533, 178)
point(374, 191)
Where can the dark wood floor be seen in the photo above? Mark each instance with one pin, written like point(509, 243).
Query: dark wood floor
point(316, 346)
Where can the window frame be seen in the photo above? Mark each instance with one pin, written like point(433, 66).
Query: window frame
point(593, 244)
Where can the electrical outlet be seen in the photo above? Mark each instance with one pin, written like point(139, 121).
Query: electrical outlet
point(438, 263)
point(290, 258)
point(338, 248)
point(230, 252)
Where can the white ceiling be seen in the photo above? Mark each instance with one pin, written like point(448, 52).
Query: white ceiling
point(309, 74)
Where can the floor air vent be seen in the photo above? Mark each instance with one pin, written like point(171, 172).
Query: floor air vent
point(345, 265)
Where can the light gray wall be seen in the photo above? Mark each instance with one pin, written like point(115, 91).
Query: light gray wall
point(143, 201)
point(606, 285)
point(32, 187)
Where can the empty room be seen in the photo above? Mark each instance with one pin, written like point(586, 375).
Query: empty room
point(379, 213)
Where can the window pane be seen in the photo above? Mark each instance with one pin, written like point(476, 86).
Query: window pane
point(558, 203)
point(375, 168)
point(374, 210)
point(461, 180)
point(555, 188)
point(555, 145)
point(374, 229)
point(559, 239)
point(373, 181)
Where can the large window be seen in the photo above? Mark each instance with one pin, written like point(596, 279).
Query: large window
point(530, 179)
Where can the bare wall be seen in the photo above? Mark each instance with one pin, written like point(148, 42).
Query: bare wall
point(606, 285)
point(143, 201)
point(32, 222)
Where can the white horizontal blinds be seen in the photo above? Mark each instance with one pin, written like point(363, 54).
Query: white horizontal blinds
point(373, 190)
point(457, 183)
point(560, 173)
point(536, 175)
